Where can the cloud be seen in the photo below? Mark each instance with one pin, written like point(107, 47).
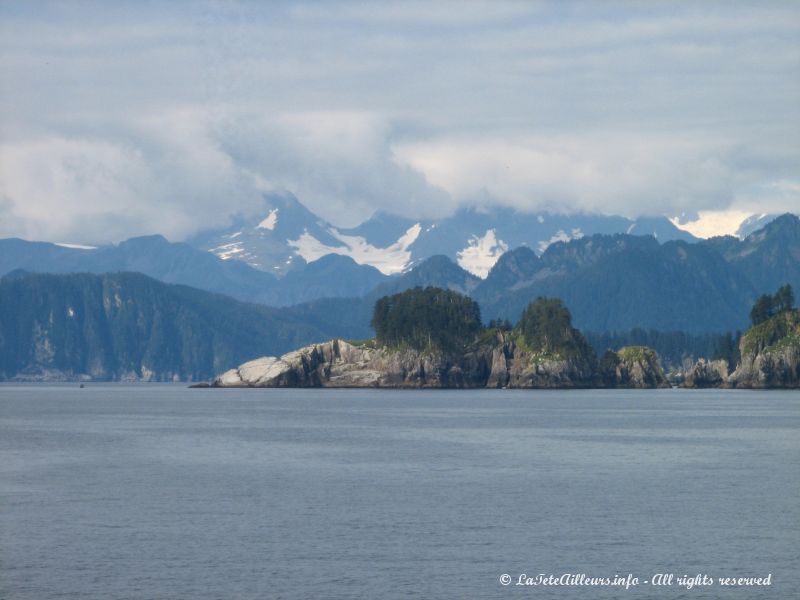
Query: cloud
point(339, 163)
point(416, 12)
point(163, 175)
point(189, 170)
point(611, 172)
point(123, 118)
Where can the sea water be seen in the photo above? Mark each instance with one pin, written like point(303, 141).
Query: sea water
point(159, 491)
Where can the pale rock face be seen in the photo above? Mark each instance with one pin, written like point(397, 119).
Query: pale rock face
point(706, 374)
point(261, 370)
point(332, 363)
point(770, 354)
point(526, 370)
point(638, 368)
point(229, 379)
point(769, 369)
point(498, 377)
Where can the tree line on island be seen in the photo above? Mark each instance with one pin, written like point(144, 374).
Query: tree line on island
point(437, 320)
point(434, 318)
point(441, 321)
point(676, 347)
point(426, 319)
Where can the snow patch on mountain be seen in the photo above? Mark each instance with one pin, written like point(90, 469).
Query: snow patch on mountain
point(389, 261)
point(75, 246)
point(482, 253)
point(270, 221)
point(709, 223)
point(228, 251)
point(560, 236)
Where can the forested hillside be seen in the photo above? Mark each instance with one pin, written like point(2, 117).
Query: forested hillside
point(426, 319)
point(129, 326)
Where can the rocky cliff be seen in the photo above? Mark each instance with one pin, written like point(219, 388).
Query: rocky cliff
point(433, 338)
point(770, 354)
point(633, 367)
point(338, 363)
point(129, 327)
point(706, 374)
point(770, 358)
point(515, 365)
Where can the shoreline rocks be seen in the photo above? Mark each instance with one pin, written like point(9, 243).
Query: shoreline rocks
point(707, 374)
point(633, 367)
point(770, 358)
point(770, 354)
point(338, 363)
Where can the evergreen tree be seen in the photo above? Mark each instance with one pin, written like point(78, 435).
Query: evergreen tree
point(427, 319)
point(768, 306)
point(501, 324)
point(728, 349)
point(546, 326)
point(761, 310)
point(784, 298)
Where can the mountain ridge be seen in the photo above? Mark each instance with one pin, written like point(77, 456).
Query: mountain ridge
point(609, 283)
point(127, 326)
point(180, 263)
point(287, 232)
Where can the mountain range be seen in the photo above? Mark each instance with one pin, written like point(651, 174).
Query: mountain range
point(610, 281)
point(287, 234)
point(288, 255)
point(332, 275)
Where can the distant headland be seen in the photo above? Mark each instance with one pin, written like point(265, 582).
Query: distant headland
point(433, 338)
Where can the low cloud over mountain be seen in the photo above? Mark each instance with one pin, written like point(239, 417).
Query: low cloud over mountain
point(127, 119)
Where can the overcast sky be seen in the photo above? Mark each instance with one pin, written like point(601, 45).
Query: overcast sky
point(123, 119)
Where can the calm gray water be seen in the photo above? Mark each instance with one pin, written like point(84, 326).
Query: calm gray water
point(156, 491)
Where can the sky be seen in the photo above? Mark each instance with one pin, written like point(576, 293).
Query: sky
point(121, 119)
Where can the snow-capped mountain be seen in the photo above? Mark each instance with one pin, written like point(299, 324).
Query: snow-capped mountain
point(265, 243)
point(754, 223)
point(287, 234)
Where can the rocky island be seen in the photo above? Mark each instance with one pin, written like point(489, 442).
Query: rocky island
point(433, 338)
point(769, 352)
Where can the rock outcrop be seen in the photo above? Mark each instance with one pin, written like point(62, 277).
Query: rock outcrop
point(706, 374)
point(338, 363)
point(433, 338)
point(633, 367)
point(769, 358)
point(770, 354)
point(514, 367)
